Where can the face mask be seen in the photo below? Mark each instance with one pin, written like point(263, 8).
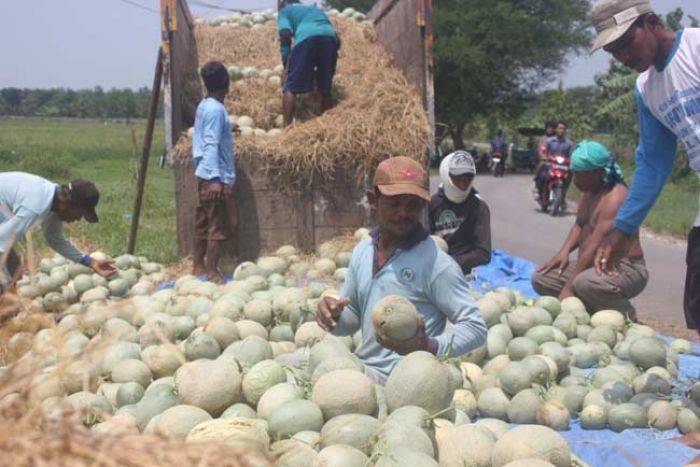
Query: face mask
point(453, 193)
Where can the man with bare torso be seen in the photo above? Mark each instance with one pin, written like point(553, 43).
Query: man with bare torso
point(603, 191)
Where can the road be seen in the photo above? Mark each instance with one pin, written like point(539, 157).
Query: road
point(521, 230)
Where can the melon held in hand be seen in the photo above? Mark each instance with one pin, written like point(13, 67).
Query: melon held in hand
point(396, 318)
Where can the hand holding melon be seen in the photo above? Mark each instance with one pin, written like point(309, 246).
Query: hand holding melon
point(398, 326)
point(329, 310)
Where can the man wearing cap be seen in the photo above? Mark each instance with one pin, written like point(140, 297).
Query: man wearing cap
point(402, 259)
point(668, 103)
point(459, 215)
point(28, 200)
point(313, 57)
point(603, 191)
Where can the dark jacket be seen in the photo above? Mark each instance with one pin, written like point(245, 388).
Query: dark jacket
point(466, 227)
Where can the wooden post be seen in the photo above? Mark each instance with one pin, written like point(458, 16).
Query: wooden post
point(147, 140)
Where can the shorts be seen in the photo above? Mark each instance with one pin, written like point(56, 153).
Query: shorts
point(691, 297)
point(312, 59)
point(212, 216)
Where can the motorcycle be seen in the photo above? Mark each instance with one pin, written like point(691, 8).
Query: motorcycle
point(550, 192)
point(498, 164)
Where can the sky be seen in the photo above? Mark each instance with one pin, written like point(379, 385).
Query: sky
point(113, 43)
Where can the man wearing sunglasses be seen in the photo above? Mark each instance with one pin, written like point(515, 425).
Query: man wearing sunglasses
point(668, 101)
point(28, 200)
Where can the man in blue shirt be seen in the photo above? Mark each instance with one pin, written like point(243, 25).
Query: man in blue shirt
point(212, 150)
point(668, 92)
point(28, 200)
point(402, 259)
point(313, 57)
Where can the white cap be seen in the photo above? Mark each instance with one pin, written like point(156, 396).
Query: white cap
point(461, 162)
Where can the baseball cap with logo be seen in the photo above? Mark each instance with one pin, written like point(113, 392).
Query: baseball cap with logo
point(461, 162)
point(401, 176)
point(612, 19)
point(84, 194)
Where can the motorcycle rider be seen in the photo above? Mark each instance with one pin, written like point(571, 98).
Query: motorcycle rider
point(499, 146)
point(459, 215)
point(549, 132)
point(559, 145)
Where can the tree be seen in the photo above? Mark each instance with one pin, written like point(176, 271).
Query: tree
point(490, 55)
point(360, 5)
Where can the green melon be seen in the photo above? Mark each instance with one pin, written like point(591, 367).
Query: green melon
point(344, 391)
point(594, 417)
point(402, 455)
point(132, 370)
point(566, 323)
point(249, 351)
point(647, 352)
point(624, 416)
point(342, 456)
point(494, 425)
point(551, 304)
point(282, 333)
point(520, 320)
point(490, 310)
point(524, 406)
point(354, 430)
point(493, 403)
point(201, 344)
point(247, 328)
point(154, 402)
point(162, 360)
point(662, 416)
point(604, 334)
point(295, 416)
point(239, 409)
point(177, 422)
point(277, 395)
point(129, 393)
point(688, 422)
point(259, 311)
point(610, 318)
point(308, 334)
point(554, 414)
point(464, 445)
point(261, 377)
point(514, 378)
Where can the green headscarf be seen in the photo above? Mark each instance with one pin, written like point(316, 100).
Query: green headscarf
point(590, 155)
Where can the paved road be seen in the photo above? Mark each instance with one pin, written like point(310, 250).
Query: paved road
point(518, 228)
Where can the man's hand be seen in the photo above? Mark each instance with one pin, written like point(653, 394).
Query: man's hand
point(215, 191)
point(329, 311)
point(104, 268)
point(566, 292)
point(419, 342)
point(609, 253)
point(560, 262)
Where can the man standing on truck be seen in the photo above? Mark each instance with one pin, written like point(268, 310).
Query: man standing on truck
point(28, 200)
point(311, 59)
point(402, 259)
point(459, 215)
point(212, 150)
point(668, 97)
point(603, 191)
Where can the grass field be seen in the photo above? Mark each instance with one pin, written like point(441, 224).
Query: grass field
point(61, 150)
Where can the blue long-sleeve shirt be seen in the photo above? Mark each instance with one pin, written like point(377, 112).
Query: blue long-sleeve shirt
point(668, 100)
point(212, 144)
point(303, 21)
point(426, 276)
point(26, 201)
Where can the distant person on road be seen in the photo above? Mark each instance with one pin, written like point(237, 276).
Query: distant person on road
point(459, 215)
point(212, 150)
point(28, 201)
point(603, 191)
point(558, 145)
point(402, 259)
point(311, 59)
point(549, 132)
point(498, 144)
point(668, 92)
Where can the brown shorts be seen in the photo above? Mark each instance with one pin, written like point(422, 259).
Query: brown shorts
point(214, 219)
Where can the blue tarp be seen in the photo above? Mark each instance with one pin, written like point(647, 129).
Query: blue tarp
point(631, 448)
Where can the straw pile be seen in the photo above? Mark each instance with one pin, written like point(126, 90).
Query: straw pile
point(378, 114)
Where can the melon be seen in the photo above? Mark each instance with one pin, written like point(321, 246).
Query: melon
point(557, 352)
point(228, 306)
point(272, 264)
point(247, 328)
point(325, 266)
point(354, 430)
point(154, 402)
point(524, 406)
point(282, 333)
point(396, 318)
point(211, 385)
point(277, 395)
point(118, 329)
point(610, 318)
point(566, 323)
point(531, 441)
point(662, 416)
point(647, 352)
point(520, 320)
point(91, 407)
point(554, 414)
point(419, 379)
point(651, 383)
point(465, 401)
point(308, 334)
point(342, 456)
point(239, 410)
point(162, 360)
point(344, 391)
point(521, 347)
point(118, 287)
point(604, 334)
point(132, 370)
point(177, 422)
point(242, 433)
point(201, 344)
point(259, 311)
point(392, 435)
point(551, 304)
point(594, 417)
point(128, 394)
point(117, 352)
point(514, 378)
point(688, 422)
point(261, 377)
point(247, 121)
point(493, 402)
point(627, 415)
point(464, 445)
point(159, 328)
point(490, 310)
point(400, 456)
point(295, 416)
point(681, 346)
point(249, 351)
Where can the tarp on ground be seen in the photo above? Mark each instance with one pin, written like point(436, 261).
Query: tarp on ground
point(631, 448)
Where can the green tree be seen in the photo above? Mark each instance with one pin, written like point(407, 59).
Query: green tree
point(360, 5)
point(490, 55)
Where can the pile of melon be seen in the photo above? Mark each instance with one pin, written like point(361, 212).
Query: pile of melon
point(60, 283)
point(257, 19)
point(246, 364)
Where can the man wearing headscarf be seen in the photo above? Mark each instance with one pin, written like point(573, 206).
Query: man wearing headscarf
point(459, 215)
point(603, 191)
